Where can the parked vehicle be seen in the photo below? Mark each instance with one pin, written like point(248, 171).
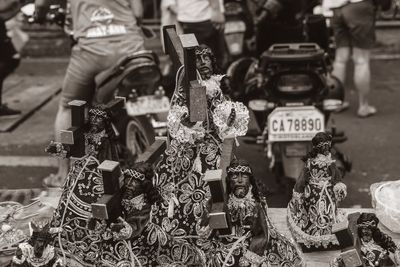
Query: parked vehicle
point(292, 94)
point(137, 78)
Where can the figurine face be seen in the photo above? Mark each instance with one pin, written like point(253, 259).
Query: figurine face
point(366, 234)
point(133, 189)
point(204, 65)
point(39, 246)
point(97, 124)
point(240, 184)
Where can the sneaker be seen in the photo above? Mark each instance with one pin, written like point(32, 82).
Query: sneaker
point(6, 112)
point(366, 111)
point(345, 105)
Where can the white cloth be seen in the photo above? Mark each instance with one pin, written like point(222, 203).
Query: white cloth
point(195, 10)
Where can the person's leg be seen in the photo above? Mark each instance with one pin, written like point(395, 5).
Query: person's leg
point(362, 80)
point(342, 56)
point(78, 84)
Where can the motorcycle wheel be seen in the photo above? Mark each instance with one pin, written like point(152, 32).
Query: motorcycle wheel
point(137, 134)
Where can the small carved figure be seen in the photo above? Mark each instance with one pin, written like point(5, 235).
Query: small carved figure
point(138, 195)
point(83, 186)
point(376, 246)
point(38, 251)
point(254, 240)
point(313, 208)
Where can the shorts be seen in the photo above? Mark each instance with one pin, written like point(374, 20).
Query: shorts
point(354, 25)
point(85, 64)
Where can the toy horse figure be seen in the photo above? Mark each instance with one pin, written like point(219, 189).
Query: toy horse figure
point(37, 251)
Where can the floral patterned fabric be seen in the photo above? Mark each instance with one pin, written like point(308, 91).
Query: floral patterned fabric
point(313, 209)
point(83, 186)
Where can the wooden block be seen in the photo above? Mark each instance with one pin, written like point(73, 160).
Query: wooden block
point(173, 46)
point(112, 176)
point(343, 234)
point(188, 40)
point(78, 112)
point(153, 153)
point(197, 102)
point(214, 180)
point(108, 207)
point(75, 139)
point(115, 106)
point(218, 217)
point(351, 257)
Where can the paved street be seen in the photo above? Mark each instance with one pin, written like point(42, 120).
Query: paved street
point(373, 143)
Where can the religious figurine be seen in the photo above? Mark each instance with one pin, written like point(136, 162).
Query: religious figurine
point(313, 208)
point(254, 240)
point(376, 246)
point(83, 186)
point(38, 251)
point(138, 195)
point(170, 237)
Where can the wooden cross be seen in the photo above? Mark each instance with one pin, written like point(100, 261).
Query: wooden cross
point(181, 50)
point(74, 137)
point(108, 207)
point(216, 179)
point(346, 233)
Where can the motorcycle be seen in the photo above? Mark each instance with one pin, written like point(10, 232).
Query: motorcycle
point(237, 30)
point(292, 94)
point(137, 78)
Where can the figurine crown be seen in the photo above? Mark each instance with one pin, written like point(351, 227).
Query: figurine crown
point(239, 169)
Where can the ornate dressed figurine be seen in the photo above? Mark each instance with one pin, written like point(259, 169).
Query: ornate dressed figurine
point(313, 208)
point(38, 251)
point(169, 239)
point(254, 240)
point(138, 195)
point(376, 246)
point(83, 186)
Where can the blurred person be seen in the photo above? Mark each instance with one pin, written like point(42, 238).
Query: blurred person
point(9, 61)
point(281, 21)
point(105, 32)
point(205, 19)
point(353, 23)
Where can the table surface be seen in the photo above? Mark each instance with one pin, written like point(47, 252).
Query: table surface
point(320, 258)
point(278, 218)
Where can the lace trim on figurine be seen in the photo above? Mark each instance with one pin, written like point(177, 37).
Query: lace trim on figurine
point(241, 208)
point(136, 203)
point(239, 169)
point(322, 160)
point(28, 255)
point(124, 233)
point(309, 240)
point(227, 128)
point(180, 132)
point(213, 85)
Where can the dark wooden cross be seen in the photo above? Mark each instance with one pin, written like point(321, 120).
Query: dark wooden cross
point(347, 234)
point(181, 50)
point(216, 179)
point(74, 137)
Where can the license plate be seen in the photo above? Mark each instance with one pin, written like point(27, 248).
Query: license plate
point(294, 123)
point(147, 105)
point(234, 27)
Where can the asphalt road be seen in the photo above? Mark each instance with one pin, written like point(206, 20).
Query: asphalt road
point(373, 143)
